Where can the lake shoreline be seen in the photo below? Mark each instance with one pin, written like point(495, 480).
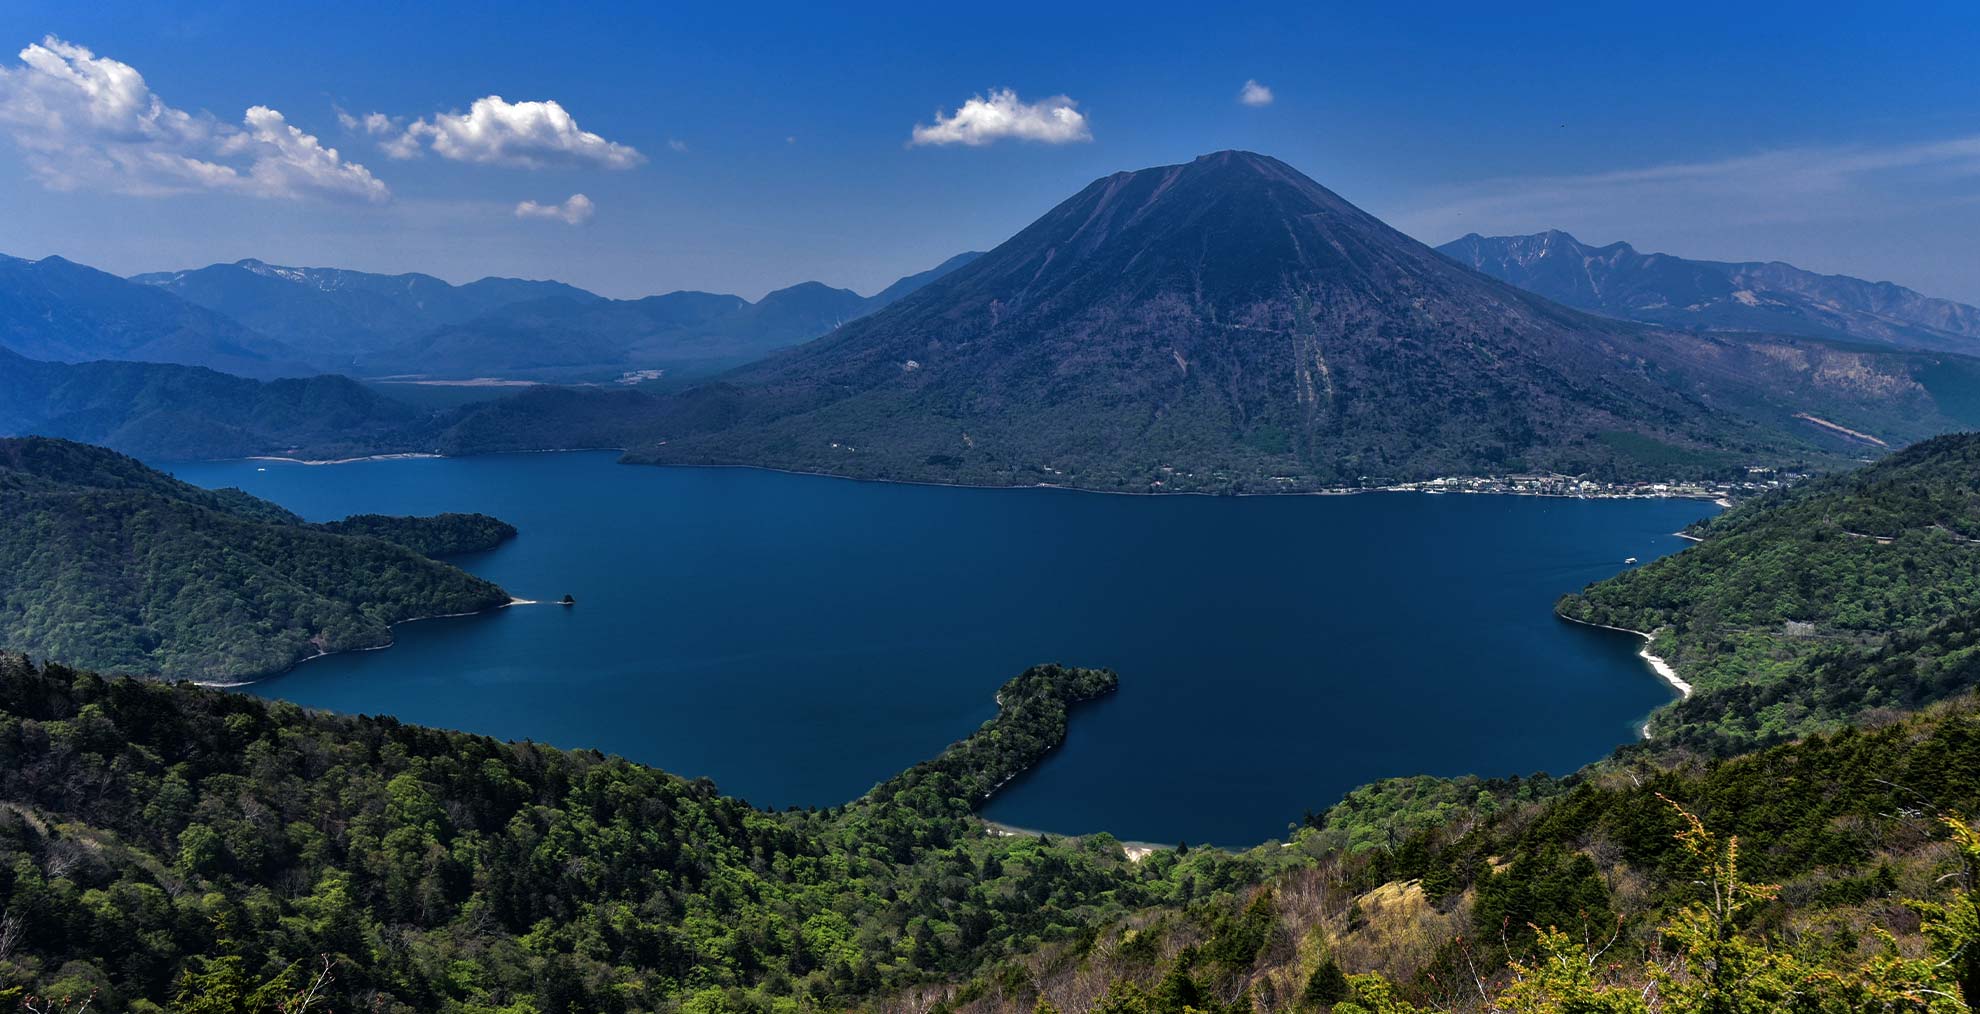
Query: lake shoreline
point(639, 540)
point(1714, 498)
point(1136, 850)
point(1325, 492)
point(1657, 663)
point(320, 653)
point(405, 456)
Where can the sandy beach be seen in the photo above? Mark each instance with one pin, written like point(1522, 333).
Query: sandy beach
point(1662, 667)
point(469, 382)
point(1657, 664)
point(1136, 850)
point(341, 461)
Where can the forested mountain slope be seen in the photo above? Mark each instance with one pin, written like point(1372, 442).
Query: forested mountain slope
point(217, 851)
point(169, 412)
point(1812, 606)
point(1230, 323)
point(180, 845)
point(1838, 874)
point(167, 841)
point(439, 535)
point(107, 563)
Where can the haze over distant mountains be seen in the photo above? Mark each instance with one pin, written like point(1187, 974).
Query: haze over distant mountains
point(1225, 324)
point(342, 314)
point(55, 309)
point(375, 325)
point(1771, 296)
point(262, 320)
point(680, 329)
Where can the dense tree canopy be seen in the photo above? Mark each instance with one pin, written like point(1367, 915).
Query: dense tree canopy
point(172, 847)
point(1813, 605)
point(155, 839)
point(107, 563)
point(439, 535)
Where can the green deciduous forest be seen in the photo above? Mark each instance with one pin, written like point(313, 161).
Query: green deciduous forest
point(110, 564)
point(1816, 604)
point(1832, 874)
point(439, 535)
point(1796, 836)
point(178, 848)
point(160, 843)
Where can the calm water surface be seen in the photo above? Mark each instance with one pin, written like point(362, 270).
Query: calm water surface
point(798, 638)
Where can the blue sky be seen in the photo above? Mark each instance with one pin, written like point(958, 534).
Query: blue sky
point(744, 147)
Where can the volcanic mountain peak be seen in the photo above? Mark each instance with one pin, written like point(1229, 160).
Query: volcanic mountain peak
point(1231, 317)
point(1223, 234)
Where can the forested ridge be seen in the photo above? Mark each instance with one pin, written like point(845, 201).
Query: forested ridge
point(204, 851)
point(1804, 609)
point(169, 412)
point(107, 563)
point(166, 846)
point(1834, 874)
point(440, 535)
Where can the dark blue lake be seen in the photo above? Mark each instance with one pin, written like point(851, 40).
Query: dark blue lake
point(798, 639)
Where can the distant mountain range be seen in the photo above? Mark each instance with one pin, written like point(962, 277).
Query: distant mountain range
point(54, 309)
point(262, 320)
point(345, 315)
point(1230, 323)
point(1225, 324)
point(680, 329)
point(1773, 297)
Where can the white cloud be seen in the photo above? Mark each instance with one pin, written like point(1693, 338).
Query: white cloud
point(677, 144)
point(982, 121)
point(575, 210)
point(288, 162)
point(1779, 187)
point(374, 124)
point(494, 131)
point(390, 132)
point(1255, 94)
point(89, 122)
